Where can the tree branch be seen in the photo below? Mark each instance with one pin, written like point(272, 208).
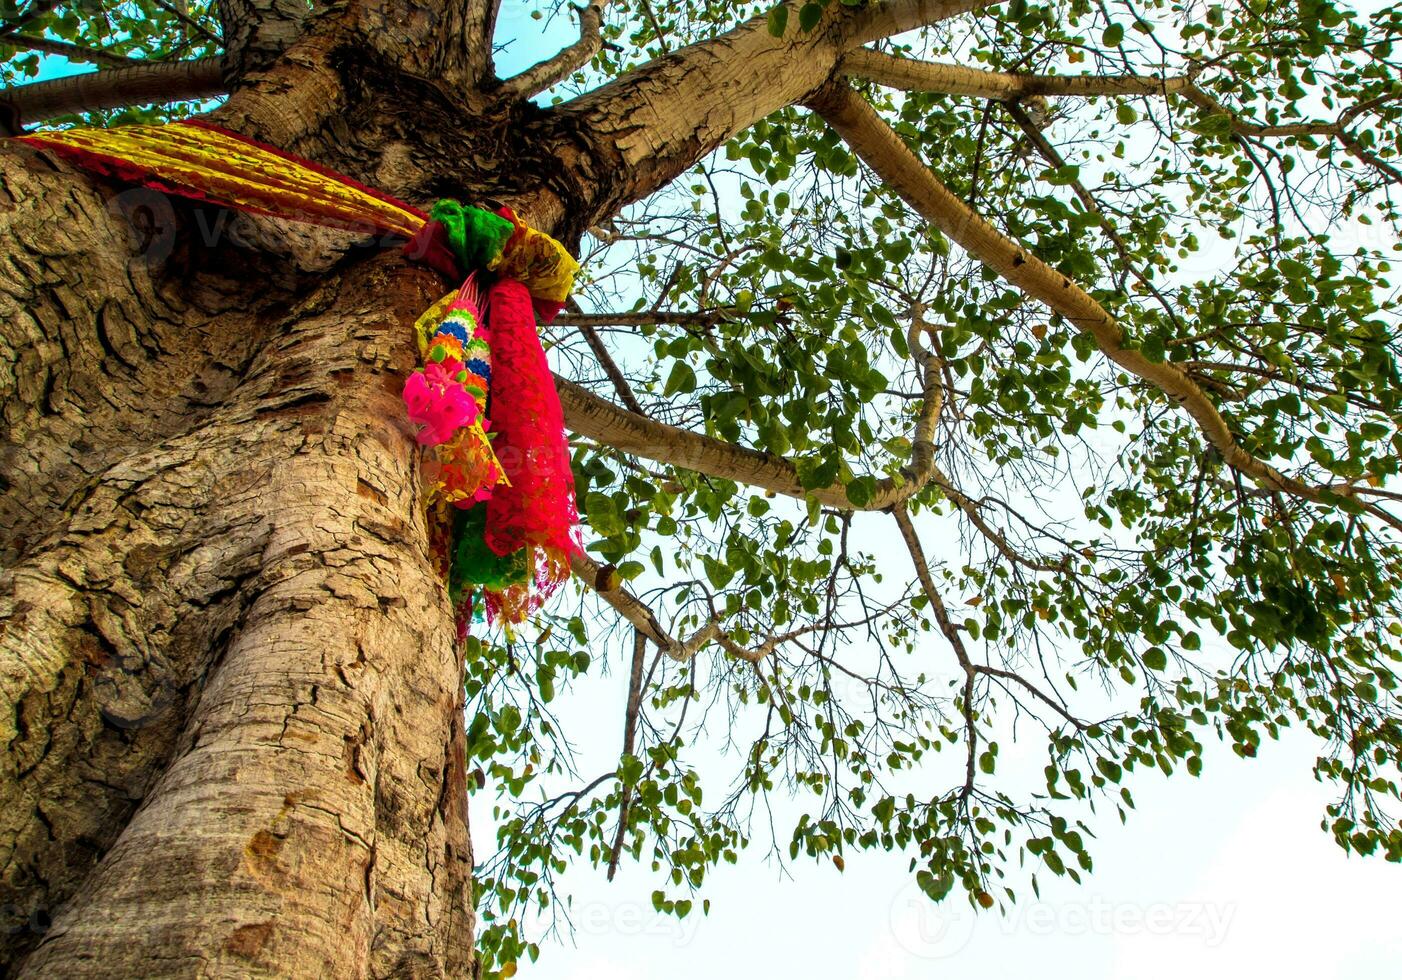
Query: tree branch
point(647, 127)
point(887, 155)
point(156, 81)
point(1054, 158)
point(596, 418)
point(951, 633)
point(73, 52)
point(1243, 130)
point(257, 31)
point(35, 10)
point(630, 731)
point(604, 580)
point(611, 368)
point(888, 18)
point(189, 22)
point(928, 76)
point(556, 69)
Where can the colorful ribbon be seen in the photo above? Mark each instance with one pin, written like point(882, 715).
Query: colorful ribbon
point(501, 493)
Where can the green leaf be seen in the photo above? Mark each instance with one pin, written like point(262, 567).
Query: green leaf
point(778, 20)
point(682, 380)
point(861, 490)
point(630, 769)
point(808, 17)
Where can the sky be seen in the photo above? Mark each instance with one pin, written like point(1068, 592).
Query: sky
point(1225, 875)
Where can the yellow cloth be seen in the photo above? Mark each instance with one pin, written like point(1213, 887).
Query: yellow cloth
point(225, 169)
point(540, 263)
point(211, 164)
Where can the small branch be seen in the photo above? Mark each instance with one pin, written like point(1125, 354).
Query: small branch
point(611, 368)
point(630, 731)
point(1337, 130)
point(602, 580)
point(73, 52)
point(927, 76)
point(952, 633)
point(630, 607)
point(652, 22)
point(189, 22)
point(109, 89)
point(702, 318)
point(31, 13)
point(1241, 127)
point(601, 354)
point(554, 70)
point(1054, 158)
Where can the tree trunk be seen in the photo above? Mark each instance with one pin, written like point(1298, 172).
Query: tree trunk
point(230, 707)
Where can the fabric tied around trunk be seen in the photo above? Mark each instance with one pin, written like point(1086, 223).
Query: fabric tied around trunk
point(500, 491)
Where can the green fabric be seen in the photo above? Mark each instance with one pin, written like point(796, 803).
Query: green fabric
point(476, 237)
point(476, 565)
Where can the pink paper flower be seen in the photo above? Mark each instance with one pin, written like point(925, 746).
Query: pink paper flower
point(438, 402)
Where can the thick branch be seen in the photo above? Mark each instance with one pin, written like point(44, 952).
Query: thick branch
point(891, 17)
point(644, 129)
point(927, 76)
point(1054, 159)
point(601, 420)
point(886, 153)
point(135, 85)
point(257, 31)
point(556, 69)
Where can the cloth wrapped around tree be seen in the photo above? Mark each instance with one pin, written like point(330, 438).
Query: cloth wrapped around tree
point(500, 492)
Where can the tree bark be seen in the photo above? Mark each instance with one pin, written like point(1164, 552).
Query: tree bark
point(229, 701)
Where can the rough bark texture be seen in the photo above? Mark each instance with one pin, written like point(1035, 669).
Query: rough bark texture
point(229, 702)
